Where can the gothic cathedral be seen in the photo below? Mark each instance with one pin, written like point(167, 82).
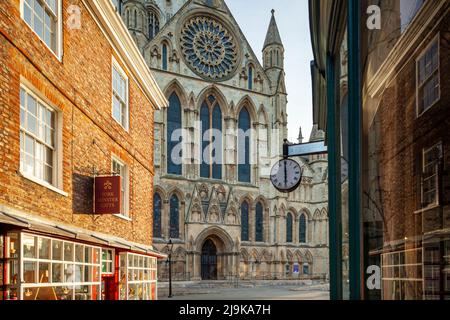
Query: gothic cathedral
point(217, 204)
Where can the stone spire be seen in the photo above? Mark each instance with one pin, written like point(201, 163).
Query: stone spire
point(300, 136)
point(273, 35)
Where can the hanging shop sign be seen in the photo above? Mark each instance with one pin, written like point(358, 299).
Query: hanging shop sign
point(108, 195)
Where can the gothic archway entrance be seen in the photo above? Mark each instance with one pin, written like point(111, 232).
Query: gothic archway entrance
point(209, 260)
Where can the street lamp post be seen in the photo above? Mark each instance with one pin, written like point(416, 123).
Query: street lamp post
point(170, 267)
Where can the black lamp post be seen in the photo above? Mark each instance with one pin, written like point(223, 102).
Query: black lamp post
point(170, 267)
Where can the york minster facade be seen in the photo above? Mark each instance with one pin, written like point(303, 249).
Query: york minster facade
point(217, 205)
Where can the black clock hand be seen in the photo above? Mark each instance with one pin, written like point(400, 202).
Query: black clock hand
point(285, 173)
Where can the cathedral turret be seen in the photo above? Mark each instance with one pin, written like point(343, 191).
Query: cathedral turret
point(135, 17)
point(273, 50)
point(273, 56)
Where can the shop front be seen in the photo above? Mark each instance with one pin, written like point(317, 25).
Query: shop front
point(36, 265)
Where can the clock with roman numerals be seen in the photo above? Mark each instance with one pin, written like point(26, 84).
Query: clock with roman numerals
point(286, 175)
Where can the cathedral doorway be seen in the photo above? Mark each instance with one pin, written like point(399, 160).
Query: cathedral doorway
point(209, 260)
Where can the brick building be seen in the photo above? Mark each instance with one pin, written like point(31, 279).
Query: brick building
point(77, 101)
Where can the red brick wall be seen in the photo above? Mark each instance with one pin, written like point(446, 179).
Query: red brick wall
point(403, 136)
point(80, 86)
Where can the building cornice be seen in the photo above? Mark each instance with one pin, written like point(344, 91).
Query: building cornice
point(406, 45)
point(112, 26)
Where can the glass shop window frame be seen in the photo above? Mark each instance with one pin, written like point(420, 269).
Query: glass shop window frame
point(70, 286)
point(437, 72)
point(109, 263)
point(131, 262)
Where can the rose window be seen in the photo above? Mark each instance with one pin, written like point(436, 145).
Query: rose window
point(209, 48)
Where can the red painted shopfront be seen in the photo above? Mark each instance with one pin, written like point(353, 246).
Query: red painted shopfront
point(36, 265)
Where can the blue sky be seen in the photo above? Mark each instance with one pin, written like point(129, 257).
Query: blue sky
point(253, 17)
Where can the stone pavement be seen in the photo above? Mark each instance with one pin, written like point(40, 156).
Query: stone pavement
point(259, 292)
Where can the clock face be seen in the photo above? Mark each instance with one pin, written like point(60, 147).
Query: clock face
point(286, 175)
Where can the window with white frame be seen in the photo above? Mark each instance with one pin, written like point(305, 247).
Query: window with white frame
point(428, 83)
point(120, 95)
point(44, 17)
point(38, 147)
point(137, 277)
point(430, 177)
point(53, 269)
point(119, 168)
point(107, 261)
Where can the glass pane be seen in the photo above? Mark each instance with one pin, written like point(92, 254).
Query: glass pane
point(29, 272)
point(79, 273)
point(29, 247)
point(57, 247)
point(79, 250)
point(12, 272)
point(68, 251)
point(44, 248)
point(83, 293)
point(87, 254)
point(44, 272)
point(57, 271)
point(13, 251)
point(95, 256)
point(69, 273)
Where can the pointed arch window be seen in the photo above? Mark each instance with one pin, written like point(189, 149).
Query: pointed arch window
point(174, 217)
point(302, 229)
point(135, 18)
point(174, 138)
point(157, 207)
point(289, 228)
point(250, 78)
point(211, 139)
point(153, 24)
point(164, 57)
point(259, 223)
point(244, 138)
point(244, 221)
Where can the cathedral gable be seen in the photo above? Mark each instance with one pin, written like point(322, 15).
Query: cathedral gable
point(204, 40)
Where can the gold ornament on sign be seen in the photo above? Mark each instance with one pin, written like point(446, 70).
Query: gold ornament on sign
point(107, 185)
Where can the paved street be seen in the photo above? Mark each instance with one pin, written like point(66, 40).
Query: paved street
point(254, 293)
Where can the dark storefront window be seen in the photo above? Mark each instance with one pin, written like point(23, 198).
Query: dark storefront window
point(405, 153)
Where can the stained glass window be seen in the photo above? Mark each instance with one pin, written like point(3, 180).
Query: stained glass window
point(157, 216)
point(289, 228)
point(174, 137)
point(302, 229)
point(259, 223)
point(244, 221)
point(244, 137)
point(209, 48)
point(211, 153)
point(174, 217)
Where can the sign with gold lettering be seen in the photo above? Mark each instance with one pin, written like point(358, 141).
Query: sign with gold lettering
point(108, 195)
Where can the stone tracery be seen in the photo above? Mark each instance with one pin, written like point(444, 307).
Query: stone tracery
point(209, 47)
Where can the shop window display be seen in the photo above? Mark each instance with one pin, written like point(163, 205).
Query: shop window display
point(51, 269)
point(137, 276)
